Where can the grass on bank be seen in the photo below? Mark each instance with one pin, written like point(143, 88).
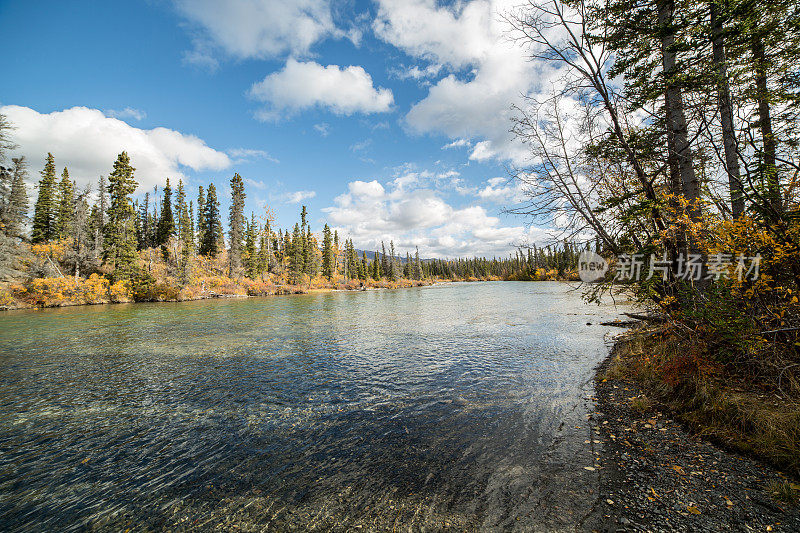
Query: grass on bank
point(729, 410)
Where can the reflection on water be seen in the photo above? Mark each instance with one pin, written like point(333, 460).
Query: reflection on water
point(455, 406)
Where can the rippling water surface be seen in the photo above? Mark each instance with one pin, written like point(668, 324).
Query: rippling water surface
point(456, 406)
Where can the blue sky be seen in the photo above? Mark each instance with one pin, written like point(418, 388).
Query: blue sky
point(347, 107)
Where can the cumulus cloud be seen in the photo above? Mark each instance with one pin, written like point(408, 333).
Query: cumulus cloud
point(489, 71)
point(298, 196)
point(88, 142)
point(502, 190)
point(412, 210)
point(302, 85)
point(261, 29)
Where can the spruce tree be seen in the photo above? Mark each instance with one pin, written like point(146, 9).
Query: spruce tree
point(166, 224)
point(236, 223)
point(201, 219)
point(363, 269)
point(15, 208)
point(120, 237)
point(327, 253)
point(66, 201)
point(263, 254)
point(46, 207)
point(417, 266)
point(336, 251)
point(250, 252)
point(210, 244)
point(384, 261)
point(296, 258)
point(144, 222)
point(376, 268)
point(185, 229)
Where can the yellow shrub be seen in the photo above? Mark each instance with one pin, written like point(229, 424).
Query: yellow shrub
point(121, 292)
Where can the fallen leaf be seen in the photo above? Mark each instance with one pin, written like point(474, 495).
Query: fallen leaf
point(85, 461)
point(679, 470)
point(589, 468)
point(692, 509)
point(610, 502)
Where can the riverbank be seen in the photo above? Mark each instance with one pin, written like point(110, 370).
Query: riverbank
point(96, 290)
point(659, 472)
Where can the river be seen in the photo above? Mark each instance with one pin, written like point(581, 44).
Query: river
point(455, 406)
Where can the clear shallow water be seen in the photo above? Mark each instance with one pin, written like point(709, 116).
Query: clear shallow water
point(459, 406)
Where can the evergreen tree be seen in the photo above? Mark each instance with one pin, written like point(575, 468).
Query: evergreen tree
point(263, 254)
point(185, 230)
point(236, 223)
point(376, 268)
point(120, 236)
point(327, 253)
point(392, 263)
point(210, 243)
point(79, 253)
point(305, 245)
point(15, 205)
point(46, 207)
point(296, 258)
point(251, 253)
point(363, 269)
point(144, 223)
point(191, 224)
point(417, 266)
point(166, 224)
point(384, 260)
point(97, 220)
point(66, 201)
point(336, 251)
point(201, 220)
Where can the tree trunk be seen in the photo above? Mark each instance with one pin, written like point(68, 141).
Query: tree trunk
point(726, 113)
point(678, 144)
point(768, 157)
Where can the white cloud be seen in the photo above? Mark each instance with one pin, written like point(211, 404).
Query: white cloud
point(459, 35)
point(128, 112)
point(490, 72)
point(302, 85)
point(416, 73)
point(323, 128)
point(412, 210)
point(242, 155)
point(502, 190)
point(88, 142)
point(298, 196)
point(257, 184)
point(361, 145)
point(261, 29)
point(458, 143)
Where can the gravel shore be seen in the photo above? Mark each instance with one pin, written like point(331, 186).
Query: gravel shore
point(656, 476)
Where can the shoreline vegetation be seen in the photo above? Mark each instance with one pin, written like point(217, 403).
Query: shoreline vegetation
point(742, 417)
point(110, 245)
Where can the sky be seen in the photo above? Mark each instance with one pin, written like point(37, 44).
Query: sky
point(389, 119)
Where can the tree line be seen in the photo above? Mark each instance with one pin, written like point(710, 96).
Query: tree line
point(165, 234)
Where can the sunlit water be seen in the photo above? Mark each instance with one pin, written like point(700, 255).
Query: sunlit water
point(456, 406)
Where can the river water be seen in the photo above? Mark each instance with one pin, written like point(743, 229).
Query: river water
point(456, 406)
